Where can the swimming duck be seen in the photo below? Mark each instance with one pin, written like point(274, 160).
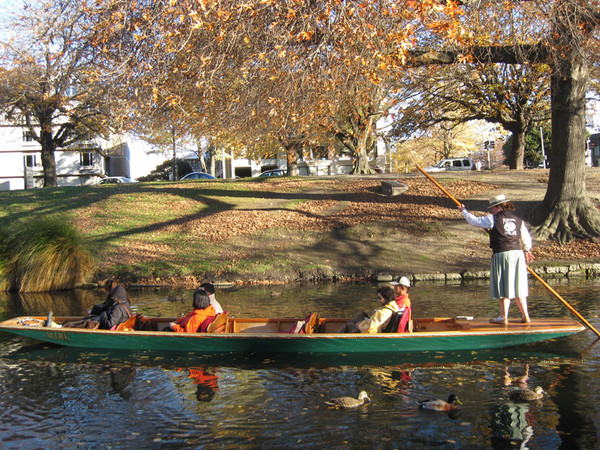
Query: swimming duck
point(525, 395)
point(350, 402)
point(441, 405)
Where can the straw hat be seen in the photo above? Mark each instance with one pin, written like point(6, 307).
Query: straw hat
point(497, 200)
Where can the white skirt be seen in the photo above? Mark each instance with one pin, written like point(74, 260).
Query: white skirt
point(508, 275)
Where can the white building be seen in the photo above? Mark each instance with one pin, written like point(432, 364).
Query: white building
point(307, 166)
point(80, 164)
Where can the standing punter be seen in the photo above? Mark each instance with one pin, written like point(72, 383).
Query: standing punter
point(508, 277)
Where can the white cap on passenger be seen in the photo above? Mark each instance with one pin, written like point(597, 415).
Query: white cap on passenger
point(404, 281)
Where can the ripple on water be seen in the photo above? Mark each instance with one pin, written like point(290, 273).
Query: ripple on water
point(70, 398)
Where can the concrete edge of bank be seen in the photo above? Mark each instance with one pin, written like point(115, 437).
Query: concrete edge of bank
point(584, 270)
point(571, 271)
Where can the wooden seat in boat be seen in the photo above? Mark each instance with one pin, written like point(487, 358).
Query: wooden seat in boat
point(219, 324)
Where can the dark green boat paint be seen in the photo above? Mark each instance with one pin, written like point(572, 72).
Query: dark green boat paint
point(293, 343)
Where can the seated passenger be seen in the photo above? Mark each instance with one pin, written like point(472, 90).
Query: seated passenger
point(98, 309)
point(401, 287)
point(362, 323)
point(117, 307)
point(115, 310)
point(210, 290)
point(202, 311)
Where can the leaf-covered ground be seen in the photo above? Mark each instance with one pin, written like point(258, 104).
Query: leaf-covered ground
point(306, 206)
point(291, 228)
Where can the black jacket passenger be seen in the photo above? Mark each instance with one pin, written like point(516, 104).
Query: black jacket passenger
point(116, 308)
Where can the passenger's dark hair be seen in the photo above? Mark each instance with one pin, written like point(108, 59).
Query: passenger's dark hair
point(208, 287)
point(201, 299)
point(387, 292)
point(114, 294)
point(109, 285)
point(507, 205)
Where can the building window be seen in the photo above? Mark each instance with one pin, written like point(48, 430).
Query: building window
point(86, 159)
point(28, 136)
point(31, 161)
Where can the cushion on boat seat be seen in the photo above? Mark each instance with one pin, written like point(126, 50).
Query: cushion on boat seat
point(129, 324)
point(218, 324)
point(306, 326)
point(204, 325)
point(399, 322)
point(311, 323)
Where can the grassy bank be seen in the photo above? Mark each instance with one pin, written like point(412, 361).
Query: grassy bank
point(267, 230)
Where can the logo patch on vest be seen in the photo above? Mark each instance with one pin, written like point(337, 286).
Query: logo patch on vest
point(510, 226)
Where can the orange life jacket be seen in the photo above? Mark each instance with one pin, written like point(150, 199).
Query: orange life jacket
point(191, 323)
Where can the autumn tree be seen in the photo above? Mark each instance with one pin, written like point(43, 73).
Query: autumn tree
point(167, 133)
point(355, 123)
point(513, 96)
point(440, 141)
point(282, 70)
point(559, 34)
point(49, 82)
point(196, 51)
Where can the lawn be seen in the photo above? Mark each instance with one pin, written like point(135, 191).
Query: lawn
point(261, 229)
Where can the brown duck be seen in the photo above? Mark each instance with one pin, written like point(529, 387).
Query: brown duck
point(350, 402)
point(527, 395)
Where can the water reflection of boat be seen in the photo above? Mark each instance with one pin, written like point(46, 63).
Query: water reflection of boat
point(182, 360)
point(272, 336)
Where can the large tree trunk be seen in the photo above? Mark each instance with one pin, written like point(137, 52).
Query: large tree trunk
point(361, 163)
point(48, 161)
point(566, 211)
point(292, 151)
point(212, 155)
point(517, 151)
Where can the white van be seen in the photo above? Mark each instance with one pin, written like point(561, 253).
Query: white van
point(451, 164)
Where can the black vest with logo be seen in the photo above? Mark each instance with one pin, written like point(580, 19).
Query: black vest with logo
point(506, 233)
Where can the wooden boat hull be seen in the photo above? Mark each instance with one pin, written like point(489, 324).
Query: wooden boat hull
point(266, 336)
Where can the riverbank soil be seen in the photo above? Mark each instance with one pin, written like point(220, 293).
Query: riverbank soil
point(287, 229)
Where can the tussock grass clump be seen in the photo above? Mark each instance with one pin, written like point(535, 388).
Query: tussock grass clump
point(44, 255)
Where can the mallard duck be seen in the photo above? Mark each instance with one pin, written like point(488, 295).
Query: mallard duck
point(526, 395)
point(441, 405)
point(350, 402)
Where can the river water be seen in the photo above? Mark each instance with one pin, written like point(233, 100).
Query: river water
point(53, 397)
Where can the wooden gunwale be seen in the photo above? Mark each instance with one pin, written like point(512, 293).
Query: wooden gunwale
point(431, 334)
point(423, 327)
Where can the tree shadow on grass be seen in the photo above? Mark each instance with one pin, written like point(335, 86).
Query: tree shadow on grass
point(213, 199)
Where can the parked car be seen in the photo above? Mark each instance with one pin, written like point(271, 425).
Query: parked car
point(273, 173)
point(197, 176)
point(114, 180)
point(451, 164)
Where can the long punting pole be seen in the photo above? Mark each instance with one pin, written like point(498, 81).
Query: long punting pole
point(531, 271)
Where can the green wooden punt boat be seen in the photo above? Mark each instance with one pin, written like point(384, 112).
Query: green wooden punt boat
point(252, 335)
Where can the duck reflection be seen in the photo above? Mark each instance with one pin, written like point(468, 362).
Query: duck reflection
point(511, 426)
point(395, 382)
